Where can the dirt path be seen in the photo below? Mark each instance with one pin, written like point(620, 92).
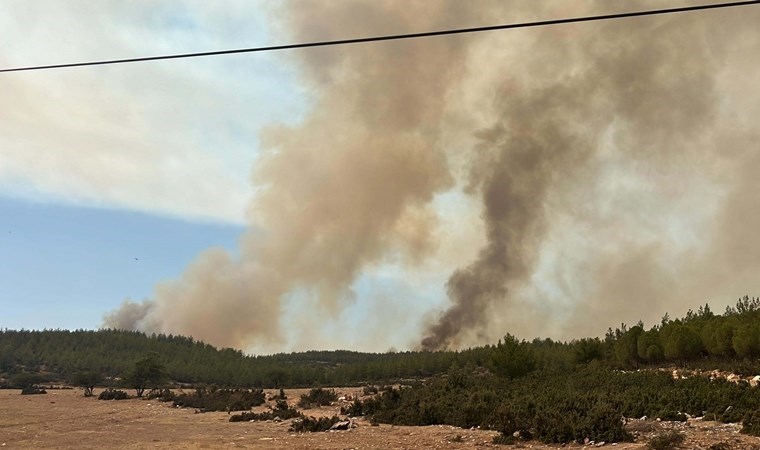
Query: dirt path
point(65, 419)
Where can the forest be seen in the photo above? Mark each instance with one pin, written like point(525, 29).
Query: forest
point(541, 389)
point(701, 339)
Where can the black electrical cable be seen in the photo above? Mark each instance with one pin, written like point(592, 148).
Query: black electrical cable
point(394, 37)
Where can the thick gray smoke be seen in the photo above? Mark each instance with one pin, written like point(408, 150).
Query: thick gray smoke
point(340, 191)
point(612, 162)
point(641, 90)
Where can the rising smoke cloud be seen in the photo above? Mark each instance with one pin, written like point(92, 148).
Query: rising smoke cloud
point(640, 95)
point(338, 192)
point(599, 163)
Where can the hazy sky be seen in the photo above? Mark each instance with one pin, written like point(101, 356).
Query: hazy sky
point(99, 167)
point(323, 199)
point(114, 179)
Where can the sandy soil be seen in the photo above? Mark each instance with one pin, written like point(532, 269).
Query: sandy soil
point(65, 419)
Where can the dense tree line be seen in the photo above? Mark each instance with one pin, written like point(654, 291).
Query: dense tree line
point(735, 335)
point(730, 341)
point(62, 354)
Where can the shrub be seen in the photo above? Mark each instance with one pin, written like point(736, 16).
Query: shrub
point(751, 423)
point(370, 390)
point(731, 415)
point(32, 390)
point(310, 424)
point(246, 417)
point(221, 399)
point(162, 395)
point(111, 394)
point(355, 409)
point(666, 441)
point(673, 416)
point(87, 381)
point(559, 407)
point(25, 380)
point(281, 411)
point(317, 397)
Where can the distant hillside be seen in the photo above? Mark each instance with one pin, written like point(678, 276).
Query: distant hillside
point(731, 341)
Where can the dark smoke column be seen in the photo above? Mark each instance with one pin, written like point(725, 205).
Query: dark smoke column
point(515, 167)
point(638, 89)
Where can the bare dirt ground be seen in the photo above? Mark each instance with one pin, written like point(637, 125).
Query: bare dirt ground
point(65, 419)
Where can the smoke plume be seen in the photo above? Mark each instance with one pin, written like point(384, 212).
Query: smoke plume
point(612, 162)
point(637, 97)
point(338, 192)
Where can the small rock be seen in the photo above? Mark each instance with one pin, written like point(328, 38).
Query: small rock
point(600, 444)
point(342, 425)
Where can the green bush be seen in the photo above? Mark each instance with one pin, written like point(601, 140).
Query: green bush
point(25, 380)
point(560, 407)
point(751, 423)
point(281, 411)
point(111, 394)
point(370, 390)
point(317, 397)
point(732, 415)
point(207, 400)
point(32, 390)
point(673, 416)
point(311, 424)
point(87, 380)
point(162, 395)
point(355, 409)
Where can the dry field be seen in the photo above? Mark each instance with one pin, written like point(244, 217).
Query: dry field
point(65, 419)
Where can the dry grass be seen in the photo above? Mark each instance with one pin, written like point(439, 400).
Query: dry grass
point(643, 426)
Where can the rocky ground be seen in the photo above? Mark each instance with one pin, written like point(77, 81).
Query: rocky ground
point(65, 419)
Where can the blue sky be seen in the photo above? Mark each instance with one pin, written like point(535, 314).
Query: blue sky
point(99, 167)
point(62, 266)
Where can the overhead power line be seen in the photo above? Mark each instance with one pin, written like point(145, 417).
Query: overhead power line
point(393, 37)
